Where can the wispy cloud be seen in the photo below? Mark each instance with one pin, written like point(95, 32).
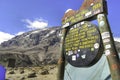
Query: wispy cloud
point(5, 36)
point(36, 24)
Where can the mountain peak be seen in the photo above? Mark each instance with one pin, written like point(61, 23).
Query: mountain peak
point(33, 48)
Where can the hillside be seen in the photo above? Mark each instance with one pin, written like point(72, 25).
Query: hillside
point(33, 48)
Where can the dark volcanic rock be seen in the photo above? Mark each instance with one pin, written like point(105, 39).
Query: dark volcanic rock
point(32, 75)
point(45, 72)
point(22, 71)
point(11, 72)
point(22, 78)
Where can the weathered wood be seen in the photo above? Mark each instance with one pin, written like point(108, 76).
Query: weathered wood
point(109, 46)
point(61, 61)
point(88, 3)
point(88, 10)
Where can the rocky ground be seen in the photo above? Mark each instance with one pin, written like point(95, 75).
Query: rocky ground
point(48, 72)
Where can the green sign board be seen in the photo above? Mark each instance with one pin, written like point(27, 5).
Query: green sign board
point(82, 44)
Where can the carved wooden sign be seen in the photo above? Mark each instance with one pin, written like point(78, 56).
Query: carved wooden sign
point(89, 9)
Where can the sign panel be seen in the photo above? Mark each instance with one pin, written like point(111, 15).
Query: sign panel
point(86, 11)
point(82, 44)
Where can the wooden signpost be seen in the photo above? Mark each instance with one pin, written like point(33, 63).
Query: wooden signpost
point(109, 46)
point(82, 43)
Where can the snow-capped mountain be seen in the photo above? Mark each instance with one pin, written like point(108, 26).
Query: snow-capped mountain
point(34, 48)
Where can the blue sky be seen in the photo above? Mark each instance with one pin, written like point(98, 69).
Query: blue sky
point(18, 16)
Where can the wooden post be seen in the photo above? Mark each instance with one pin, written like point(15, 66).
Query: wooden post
point(109, 46)
point(61, 61)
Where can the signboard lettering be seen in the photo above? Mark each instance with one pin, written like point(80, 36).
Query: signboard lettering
point(84, 14)
point(82, 40)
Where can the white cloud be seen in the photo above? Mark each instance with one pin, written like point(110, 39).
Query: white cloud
point(5, 36)
point(117, 39)
point(68, 10)
point(36, 24)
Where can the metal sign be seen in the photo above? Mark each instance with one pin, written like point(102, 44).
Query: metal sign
point(82, 44)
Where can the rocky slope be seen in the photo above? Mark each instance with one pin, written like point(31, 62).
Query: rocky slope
point(34, 48)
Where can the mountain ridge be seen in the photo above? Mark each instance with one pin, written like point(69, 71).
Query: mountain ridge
point(34, 48)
